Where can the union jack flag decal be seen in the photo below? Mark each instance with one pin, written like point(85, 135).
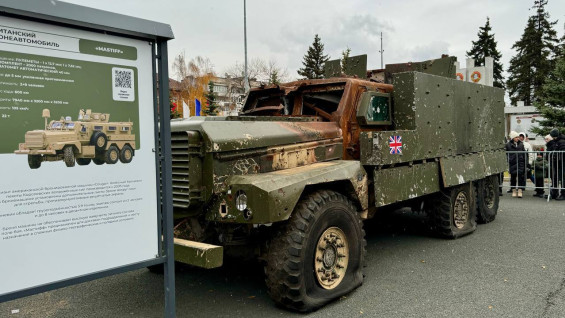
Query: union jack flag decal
point(395, 145)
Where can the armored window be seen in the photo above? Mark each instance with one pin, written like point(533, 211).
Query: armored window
point(98, 127)
point(321, 104)
point(70, 125)
point(125, 128)
point(112, 128)
point(374, 109)
point(56, 125)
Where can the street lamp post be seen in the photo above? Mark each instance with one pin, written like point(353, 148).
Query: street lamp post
point(246, 80)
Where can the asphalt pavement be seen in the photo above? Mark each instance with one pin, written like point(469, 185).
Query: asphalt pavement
point(512, 267)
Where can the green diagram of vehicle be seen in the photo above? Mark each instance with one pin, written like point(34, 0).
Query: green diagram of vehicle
point(90, 138)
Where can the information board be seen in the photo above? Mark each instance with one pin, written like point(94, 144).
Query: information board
point(78, 172)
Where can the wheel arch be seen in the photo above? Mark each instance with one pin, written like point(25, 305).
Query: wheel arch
point(273, 196)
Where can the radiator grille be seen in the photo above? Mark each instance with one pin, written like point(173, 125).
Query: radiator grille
point(186, 163)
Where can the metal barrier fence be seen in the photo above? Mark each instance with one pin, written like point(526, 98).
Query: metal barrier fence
point(544, 169)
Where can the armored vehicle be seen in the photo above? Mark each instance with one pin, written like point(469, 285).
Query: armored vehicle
point(293, 177)
point(90, 138)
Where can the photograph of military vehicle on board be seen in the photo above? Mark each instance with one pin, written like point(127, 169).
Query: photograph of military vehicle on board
point(92, 137)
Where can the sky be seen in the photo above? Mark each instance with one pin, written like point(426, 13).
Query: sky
point(282, 31)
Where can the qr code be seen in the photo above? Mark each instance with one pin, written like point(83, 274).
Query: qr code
point(123, 84)
point(122, 78)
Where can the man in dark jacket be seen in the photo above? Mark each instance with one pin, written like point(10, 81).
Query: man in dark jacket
point(557, 159)
point(516, 164)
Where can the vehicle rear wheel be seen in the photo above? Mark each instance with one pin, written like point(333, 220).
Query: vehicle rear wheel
point(487, 199)
point(98, 161)
point(318, 254)
point(126, 154)
point(69, 156)
point(34, 161)
point(112, 155)
point(453, 212)
point(83, 161)
point(99, 141)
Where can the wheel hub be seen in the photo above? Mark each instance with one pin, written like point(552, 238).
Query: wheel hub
point(331, 258)
point(100, 141)
point(461, 210)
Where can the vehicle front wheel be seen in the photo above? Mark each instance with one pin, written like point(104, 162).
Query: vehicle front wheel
point(69, 156)
point(453, 212)
point(34, 161)
point(318, 254)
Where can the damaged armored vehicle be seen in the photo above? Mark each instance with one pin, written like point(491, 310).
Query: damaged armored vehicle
point(295, 175)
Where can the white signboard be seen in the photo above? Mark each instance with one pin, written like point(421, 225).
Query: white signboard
point(78, 177)
point(524, 123)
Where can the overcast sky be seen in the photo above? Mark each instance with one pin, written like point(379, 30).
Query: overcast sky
point(283, 30)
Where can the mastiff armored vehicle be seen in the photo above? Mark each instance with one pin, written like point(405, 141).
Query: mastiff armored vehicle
point(295, 175)
point(92, 137)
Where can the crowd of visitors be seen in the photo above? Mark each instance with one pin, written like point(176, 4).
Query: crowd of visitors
point(525, 163)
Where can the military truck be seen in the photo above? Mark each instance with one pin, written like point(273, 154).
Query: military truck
point(90, 138)
point(295, 175)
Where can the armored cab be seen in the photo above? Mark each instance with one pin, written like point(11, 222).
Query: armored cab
point(292, 177)
point(92, 137)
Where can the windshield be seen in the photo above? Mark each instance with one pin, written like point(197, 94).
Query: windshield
point(315, 101)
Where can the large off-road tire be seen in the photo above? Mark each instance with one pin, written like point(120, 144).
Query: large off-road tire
point(453, 211)
point(318, 254)
point(99, 141)
point(69, 156)
point(98, 161)
point(112, 155)
point(487, 199)
point(126, 154)
point(83, 161)
point(34, 161)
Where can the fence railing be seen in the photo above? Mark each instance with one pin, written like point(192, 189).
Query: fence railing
point(542, 171)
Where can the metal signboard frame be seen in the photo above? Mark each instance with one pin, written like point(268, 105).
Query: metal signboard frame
point(157, 34)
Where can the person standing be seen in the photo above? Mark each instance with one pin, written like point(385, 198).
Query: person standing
point(531, 155)
point(557, 144)
point(516, 164)
point(540, 171)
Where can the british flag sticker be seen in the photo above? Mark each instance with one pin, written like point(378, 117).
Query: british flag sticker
point(395, 145)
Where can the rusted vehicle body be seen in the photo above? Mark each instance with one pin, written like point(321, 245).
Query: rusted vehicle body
point(294, 176)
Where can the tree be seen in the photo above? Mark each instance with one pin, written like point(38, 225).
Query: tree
point(534, 58)
point(486, 46)
point(344, 57)
point(192, 79)
point(552, 102)
point(211, 106)
point(314, 60)
point(275, 73)
point(259, 70)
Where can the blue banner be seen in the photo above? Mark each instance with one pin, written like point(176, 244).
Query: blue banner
point(197, 107)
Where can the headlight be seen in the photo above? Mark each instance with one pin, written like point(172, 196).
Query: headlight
point(241, 200)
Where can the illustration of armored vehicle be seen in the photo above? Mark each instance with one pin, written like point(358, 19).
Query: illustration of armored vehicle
point(90, 138)
point(293, 177)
